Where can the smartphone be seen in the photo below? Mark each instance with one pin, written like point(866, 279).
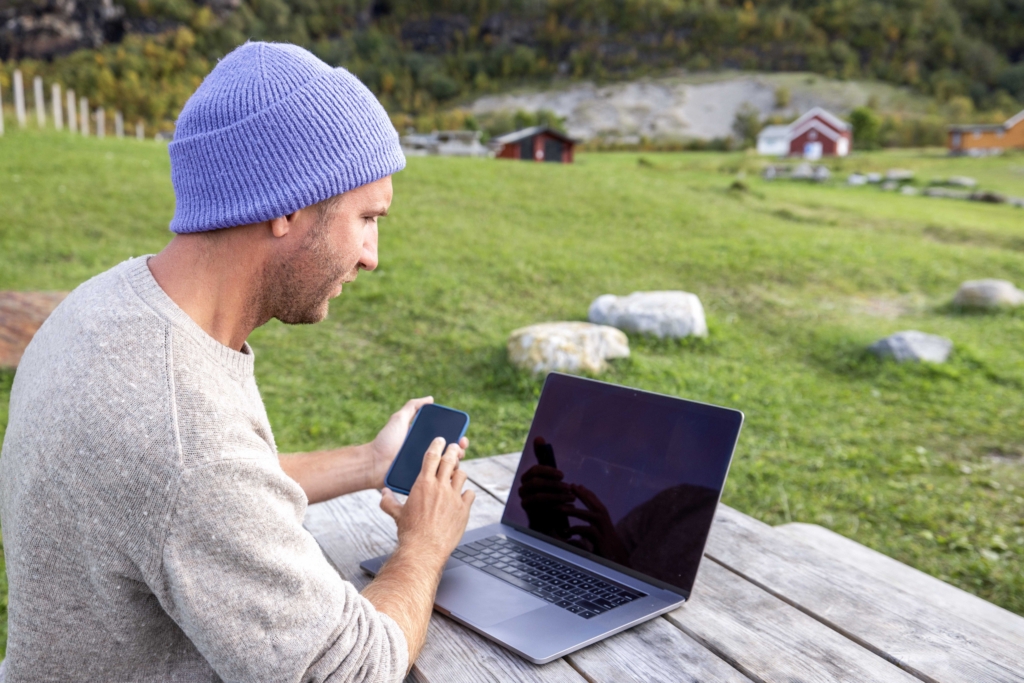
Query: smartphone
point(430, 422)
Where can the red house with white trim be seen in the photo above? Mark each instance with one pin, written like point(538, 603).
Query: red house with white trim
point(819, 133)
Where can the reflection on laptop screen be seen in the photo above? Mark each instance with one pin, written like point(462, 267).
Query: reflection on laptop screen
point(628, 476)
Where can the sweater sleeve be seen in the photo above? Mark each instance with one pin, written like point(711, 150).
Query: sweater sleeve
point(251, 589)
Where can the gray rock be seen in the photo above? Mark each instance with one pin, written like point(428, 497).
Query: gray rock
point(913, 346)
point(663, 314)
point(566, 347)
point(988, 294)
point(890, 186)
point(947, 194)
point(857, 179)
point(900, 175)
point(802, 171)
point(874, 178)
point(961, 181)
point(909, 190)
point(988, 197)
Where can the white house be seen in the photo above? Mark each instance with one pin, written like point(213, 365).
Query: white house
point(773, 141)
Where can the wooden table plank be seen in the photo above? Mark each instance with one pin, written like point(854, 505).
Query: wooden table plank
point(921, 638)
point(770, 640)
point(923, 586)
point(352, 528)
point(760, 635)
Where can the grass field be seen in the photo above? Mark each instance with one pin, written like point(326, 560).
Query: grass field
point(924, 463)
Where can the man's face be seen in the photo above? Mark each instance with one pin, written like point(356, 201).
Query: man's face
point(326, 246)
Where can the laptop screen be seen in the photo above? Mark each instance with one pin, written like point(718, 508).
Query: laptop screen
point(623, 476)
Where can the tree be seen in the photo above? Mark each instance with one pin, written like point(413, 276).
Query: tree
point(866, 128)
point(747, 124)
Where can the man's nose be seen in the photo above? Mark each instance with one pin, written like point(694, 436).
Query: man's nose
point(369, 258)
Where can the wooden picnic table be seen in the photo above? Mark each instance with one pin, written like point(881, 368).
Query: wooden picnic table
point(790, 603)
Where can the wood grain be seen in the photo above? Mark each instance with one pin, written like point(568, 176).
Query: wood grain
point(923, 586)
point(931, 643)
point(770, 640)
point(21, 316)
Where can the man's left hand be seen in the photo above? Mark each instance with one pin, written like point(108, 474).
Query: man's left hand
point(383, 449)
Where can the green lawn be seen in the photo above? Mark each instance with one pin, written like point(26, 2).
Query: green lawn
point(924, 463)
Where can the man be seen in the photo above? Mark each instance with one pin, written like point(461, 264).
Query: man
point(151, 532)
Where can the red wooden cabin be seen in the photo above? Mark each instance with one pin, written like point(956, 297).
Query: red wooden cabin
point(539, 143)
point(820, 133)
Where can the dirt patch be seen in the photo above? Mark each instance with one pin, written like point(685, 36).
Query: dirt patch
point(21, 315)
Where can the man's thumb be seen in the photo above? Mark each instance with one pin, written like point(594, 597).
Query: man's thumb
point(390, 504)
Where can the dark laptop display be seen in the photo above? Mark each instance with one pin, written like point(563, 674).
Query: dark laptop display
point(624, 476)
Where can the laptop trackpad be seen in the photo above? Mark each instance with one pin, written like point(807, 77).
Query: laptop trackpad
point(482, 599)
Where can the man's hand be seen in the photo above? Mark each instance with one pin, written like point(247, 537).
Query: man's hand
point(383, 449)
point(435, 515)
point(430, 525)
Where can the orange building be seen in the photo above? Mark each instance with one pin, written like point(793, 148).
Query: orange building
point(977, 140)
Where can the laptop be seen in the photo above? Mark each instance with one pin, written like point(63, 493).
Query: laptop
point(605, 524)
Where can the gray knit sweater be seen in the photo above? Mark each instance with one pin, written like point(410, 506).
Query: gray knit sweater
point(149, 531)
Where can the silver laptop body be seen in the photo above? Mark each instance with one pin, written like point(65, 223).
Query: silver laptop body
point(605, 524)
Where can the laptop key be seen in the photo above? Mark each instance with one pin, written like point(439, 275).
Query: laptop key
point(574, 609)
point(563, 603)
point(589, 606)
point(508, 578)
point(586, 614)
point(601, 602)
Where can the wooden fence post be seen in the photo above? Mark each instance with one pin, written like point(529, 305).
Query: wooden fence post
point(58, 110)
point(1, 111)
point(19, 98)
point(101, 123)
point(83, 115)
point(140, 131)
point(118, 124)
point(72, 126)
point(37, 94)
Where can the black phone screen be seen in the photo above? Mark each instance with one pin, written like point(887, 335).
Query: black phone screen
point(431, 422)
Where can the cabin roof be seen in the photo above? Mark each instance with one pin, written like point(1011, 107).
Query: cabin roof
point(828, 116)
point(518, 135)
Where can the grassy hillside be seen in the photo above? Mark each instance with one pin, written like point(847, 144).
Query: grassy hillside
point(924, 463)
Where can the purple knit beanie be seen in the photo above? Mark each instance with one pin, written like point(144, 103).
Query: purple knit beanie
point(271, 130)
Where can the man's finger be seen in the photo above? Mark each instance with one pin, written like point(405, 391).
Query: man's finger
point(468, 496)
point(463, 443)
point(390, 504)
point(432, 458)
point(459, 479)
point(449, 461)
point(414, 404)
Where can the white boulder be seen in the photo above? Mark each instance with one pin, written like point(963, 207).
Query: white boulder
point(663, 314)
point(913, 346)
point(857, 179)
point(566, 347)
point(988, 294)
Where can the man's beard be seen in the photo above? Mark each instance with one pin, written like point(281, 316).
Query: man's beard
point(297, 291)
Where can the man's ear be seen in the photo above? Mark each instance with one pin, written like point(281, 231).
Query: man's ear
point(282, 225)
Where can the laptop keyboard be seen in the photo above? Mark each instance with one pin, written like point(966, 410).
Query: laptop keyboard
point(556, 581)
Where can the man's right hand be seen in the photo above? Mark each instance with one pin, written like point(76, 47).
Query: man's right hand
point(430, 525)
point(434, 517)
